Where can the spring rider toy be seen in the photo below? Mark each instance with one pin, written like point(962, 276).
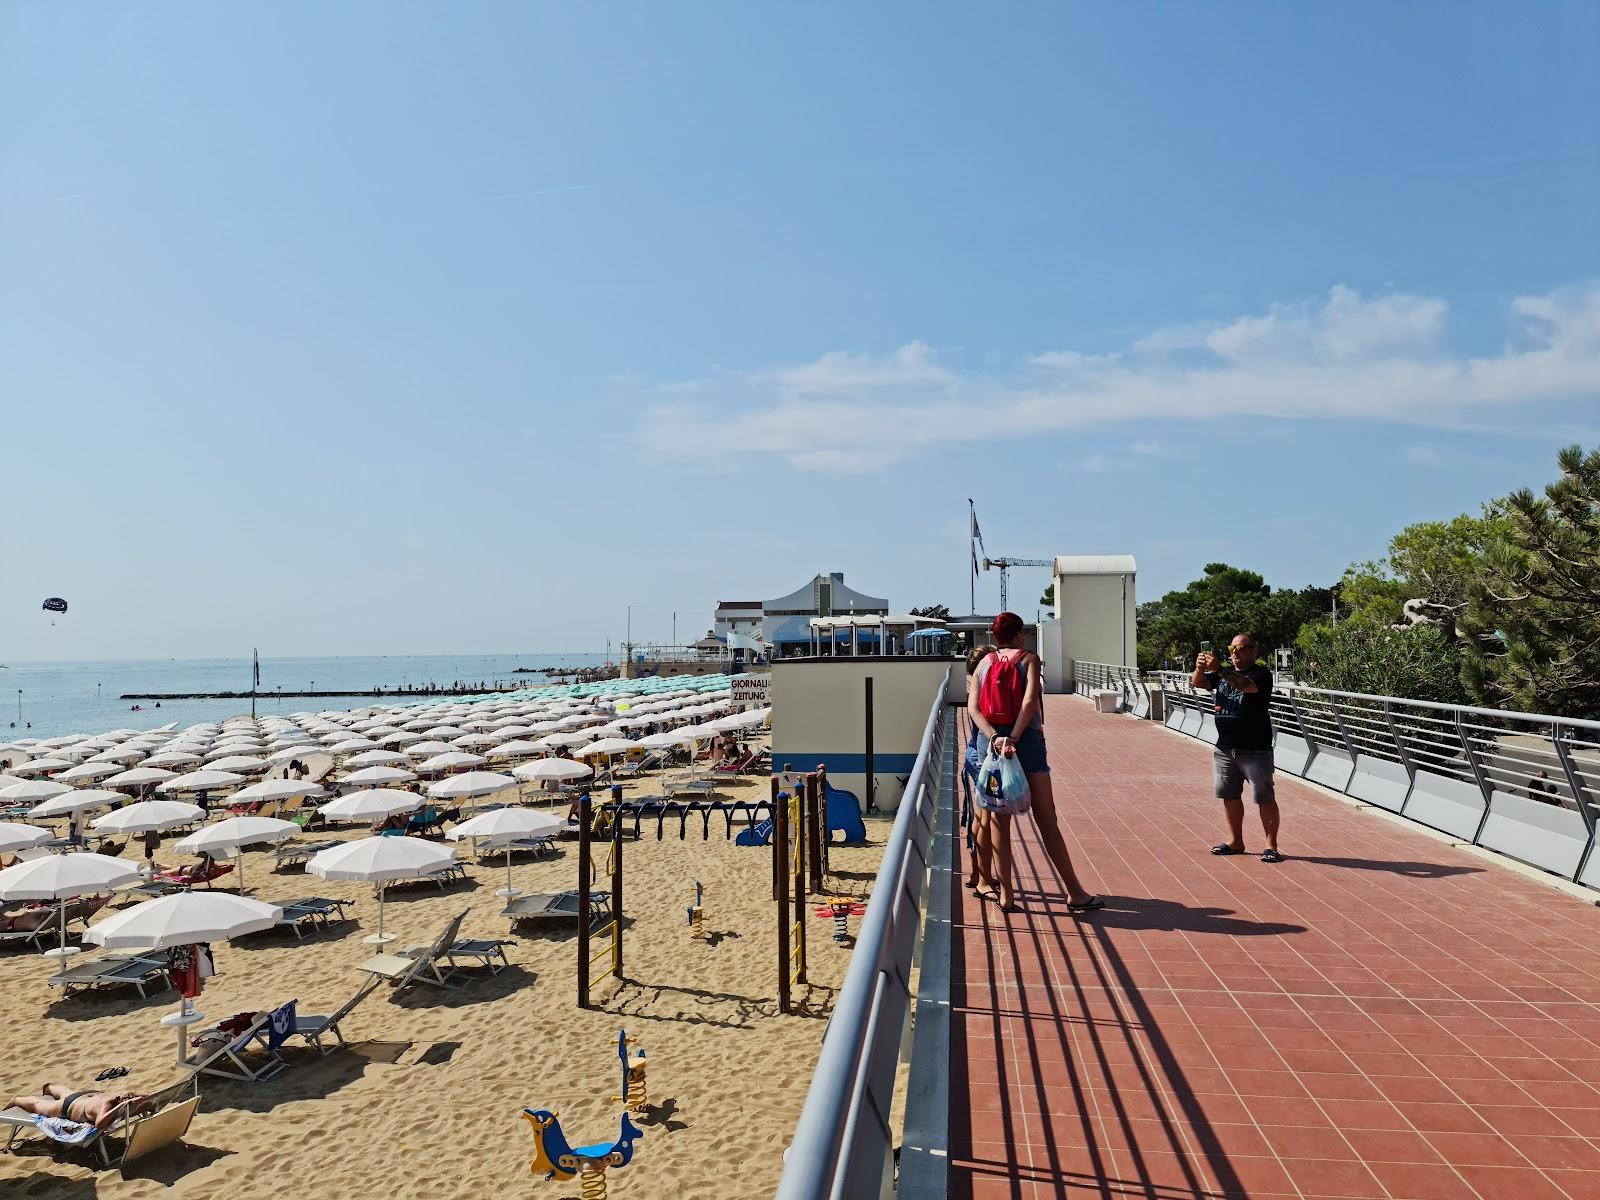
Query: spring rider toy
point(555, 1159)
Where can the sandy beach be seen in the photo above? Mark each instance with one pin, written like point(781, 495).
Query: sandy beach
point(426, 1100)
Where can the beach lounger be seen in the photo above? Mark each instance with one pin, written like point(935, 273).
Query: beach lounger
point(313, 1027)
point(113, 970)
point(296, 855)
point(484, 950)
point(79, 909)
point(317, 912)
point(142, 1133)
point(556, 906)
point(417, 963)
point(454, 873)
point(226, 1058)
point(184, 882)
point(544, 844)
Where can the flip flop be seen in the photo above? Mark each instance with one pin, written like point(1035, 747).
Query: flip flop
point(1225, 849)
point(1269, 856)
point(111, 1073)
point(1089, 905)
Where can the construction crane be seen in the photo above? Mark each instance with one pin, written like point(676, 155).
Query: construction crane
point(1005, 565)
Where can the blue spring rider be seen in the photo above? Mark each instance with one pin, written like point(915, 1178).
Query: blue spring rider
point(555, 1159)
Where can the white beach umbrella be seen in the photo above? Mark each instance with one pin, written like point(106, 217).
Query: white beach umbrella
point(138, 777)
point(429, 748)
point(22, 837)
point(565, 739)
point(379, 776)
point(607, 746)
point(506, 825)
point(660, 741)
point(235, 833)
point(32, 791)
point(472, 783)
point(70, 804)
point(172, 758)
point(186, 919)
point(380, 860)
point(288, 754)
point(201, 781)
point(276, 789)
point(376, 758)
point(41, 766)
point(449, 762)
point(239, 764)
point(148, 815)
point(514, 749)
point(88, 773)
point(352, 746)
point(62, 876)
point(552, 768)
point(372, 804)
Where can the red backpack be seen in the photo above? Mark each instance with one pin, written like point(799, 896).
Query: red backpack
point(1004, 683)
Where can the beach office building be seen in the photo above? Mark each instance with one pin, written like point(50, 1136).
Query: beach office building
point(741, 618)
point(786, 620)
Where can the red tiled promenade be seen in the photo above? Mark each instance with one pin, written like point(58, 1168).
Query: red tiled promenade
point(1379, 1016)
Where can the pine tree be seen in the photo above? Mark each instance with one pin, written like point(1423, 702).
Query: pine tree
point(1532, 624)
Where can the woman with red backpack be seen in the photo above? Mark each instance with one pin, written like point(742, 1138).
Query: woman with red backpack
point(1005, 696)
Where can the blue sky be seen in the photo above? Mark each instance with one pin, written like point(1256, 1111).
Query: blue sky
point(380, 328)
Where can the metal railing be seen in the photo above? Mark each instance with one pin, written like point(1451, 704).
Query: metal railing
point(1525, 784)
point(1091, 677)
point(842, 1147)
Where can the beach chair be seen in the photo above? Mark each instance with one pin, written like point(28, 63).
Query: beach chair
point(556, 906)
point(698, 784)
point(453, 873)
point(179, 880)
point(542, 845)
point(142, 1133)
point(224, 1056)
point(632, 770)
point(64, 913)
point(294, 855)
point(417, 963)
point(317, 912)
point(430, 819)
point(484, 950)
point(313, 1027)
point(113, 970)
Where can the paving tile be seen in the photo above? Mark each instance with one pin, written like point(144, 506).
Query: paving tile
point(1381, 1016)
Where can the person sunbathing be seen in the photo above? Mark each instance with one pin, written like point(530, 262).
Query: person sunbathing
point(99, 1109)
point(31, 917)
point(196, 872)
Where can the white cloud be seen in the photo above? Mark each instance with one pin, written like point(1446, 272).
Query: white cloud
point(1343, 357)
point(1148, 449)
point(1095, 462)
point(1423, 456)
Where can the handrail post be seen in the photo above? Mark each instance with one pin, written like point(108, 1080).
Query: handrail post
point(1344, 730)
point(1484, 784)
point(1580, 793)
point(1399, 742)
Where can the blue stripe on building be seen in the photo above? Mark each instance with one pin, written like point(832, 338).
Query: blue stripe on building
point(846, 764)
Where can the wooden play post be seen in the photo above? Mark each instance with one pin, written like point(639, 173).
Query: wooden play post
point(584, 880)
point(780, 867)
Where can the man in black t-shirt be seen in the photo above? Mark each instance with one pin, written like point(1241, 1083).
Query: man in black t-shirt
point(1244, 741)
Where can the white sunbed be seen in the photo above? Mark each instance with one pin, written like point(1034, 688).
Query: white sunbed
point(225, 1057)
point(142, 1133)
point(313, 1027)
point(112, 970)
point(417, 963)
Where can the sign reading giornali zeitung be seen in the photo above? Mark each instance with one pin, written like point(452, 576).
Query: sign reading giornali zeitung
point(752, 691)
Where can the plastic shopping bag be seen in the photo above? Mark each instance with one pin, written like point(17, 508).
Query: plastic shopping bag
point(1002, 786)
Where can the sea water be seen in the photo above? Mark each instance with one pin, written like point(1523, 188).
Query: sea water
point(84, 697)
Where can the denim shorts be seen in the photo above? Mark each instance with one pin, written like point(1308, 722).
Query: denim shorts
point(1030, 749)
point(1230, 769)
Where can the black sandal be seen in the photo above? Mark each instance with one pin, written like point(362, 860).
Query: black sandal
point(111, 1073)
point(1089, 905)
point(1269, 855)
point(1226, 849)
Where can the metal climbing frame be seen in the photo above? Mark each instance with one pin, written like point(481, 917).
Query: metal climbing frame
point(1524, 784)
point(842, 1146)
point(587, 816)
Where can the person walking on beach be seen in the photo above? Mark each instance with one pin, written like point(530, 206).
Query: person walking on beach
point(1244, 741)
point(1019, 679)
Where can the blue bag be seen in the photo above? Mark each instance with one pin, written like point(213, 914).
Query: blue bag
point(1002, 785)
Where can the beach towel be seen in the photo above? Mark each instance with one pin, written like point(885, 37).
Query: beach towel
point(280, 1025)
point(59, 1129)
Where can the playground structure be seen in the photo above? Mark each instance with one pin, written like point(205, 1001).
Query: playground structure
point(841, 911)
point(555, 1159)
point(697, 913)
point(796, 823)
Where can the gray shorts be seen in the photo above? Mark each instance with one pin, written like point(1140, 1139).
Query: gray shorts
point(1230, 769)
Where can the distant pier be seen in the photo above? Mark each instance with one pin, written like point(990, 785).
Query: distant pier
point(371, 693)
